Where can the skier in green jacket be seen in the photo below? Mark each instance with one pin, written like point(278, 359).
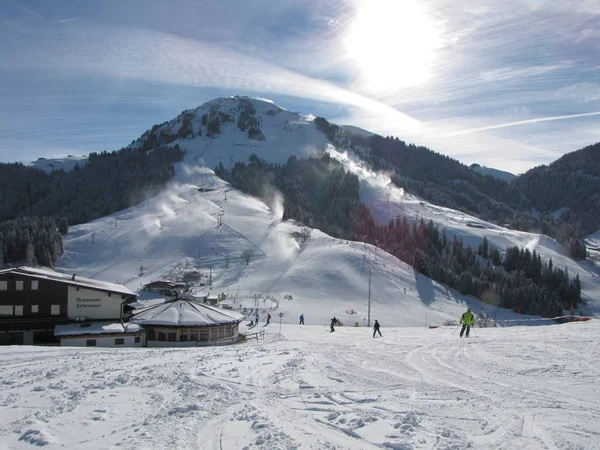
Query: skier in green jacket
point(467, 320)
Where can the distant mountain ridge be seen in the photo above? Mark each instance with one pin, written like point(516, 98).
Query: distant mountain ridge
point(496, 173)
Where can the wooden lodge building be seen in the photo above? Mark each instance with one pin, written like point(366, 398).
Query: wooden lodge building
point(41, 306)
point(34, 301)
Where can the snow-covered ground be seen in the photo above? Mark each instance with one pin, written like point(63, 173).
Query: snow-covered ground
point(414, 388)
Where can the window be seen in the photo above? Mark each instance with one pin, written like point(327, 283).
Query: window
point(183, 336)
point(34, 285)
point(172, 336)
point(119, 341)
point(55, 310)
point(6, 310)
point(151, 334)
point(3, 285)
point(90, 343)
point(18, 310)
point(137, 340)
point(35, 309)
point(193, 336)
point(19, 285)
point(204, 335)
point(162, 336)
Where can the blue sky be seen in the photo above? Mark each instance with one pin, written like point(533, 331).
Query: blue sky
point(510, 85)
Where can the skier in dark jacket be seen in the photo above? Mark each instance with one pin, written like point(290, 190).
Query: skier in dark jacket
point(467, 320)
point(333, 324)
point(376, 329)
point(301, 319)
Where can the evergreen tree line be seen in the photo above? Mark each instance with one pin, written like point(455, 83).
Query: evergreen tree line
point(528, 203)
point(317, 191)
point(320, 194)
point(109, 182)
point(519, 280)
point(29, 241)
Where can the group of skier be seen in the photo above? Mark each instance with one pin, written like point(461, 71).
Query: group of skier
point(256, 319)
point(467, 320)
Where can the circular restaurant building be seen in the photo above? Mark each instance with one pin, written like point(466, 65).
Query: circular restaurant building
point(187, 323)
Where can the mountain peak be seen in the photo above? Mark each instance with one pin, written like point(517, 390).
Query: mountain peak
point(237, 102)
point(230, 129)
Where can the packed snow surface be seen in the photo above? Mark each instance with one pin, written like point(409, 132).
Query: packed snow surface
point(414, 388)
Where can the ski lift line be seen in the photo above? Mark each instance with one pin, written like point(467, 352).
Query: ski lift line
point(245, 238)
point(373, 267)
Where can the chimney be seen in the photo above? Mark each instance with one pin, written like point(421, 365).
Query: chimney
point(74, 276)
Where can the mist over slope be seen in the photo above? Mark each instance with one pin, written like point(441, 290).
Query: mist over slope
point(199, 222)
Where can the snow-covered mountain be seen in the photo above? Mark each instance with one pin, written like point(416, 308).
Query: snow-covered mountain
point(201, 223)
point(67, 163)
point(302, 387)
point(226, 130)
point(496, 173)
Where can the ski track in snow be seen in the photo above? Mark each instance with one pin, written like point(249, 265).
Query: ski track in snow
point(414, 388)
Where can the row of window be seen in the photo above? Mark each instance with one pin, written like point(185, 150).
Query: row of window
point(17, 310)
point(192, 335)
point(118, 341)
point(19, 285)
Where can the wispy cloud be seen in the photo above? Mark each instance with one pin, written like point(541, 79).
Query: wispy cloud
point(495, 72)
point(520, 122)
point(71, 19)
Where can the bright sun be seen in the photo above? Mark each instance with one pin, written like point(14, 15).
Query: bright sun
point(393, 43)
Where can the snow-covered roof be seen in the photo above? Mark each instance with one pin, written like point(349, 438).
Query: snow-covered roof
point(161, 281)
point(75, 329)
point(66, 278)
point(184, 312)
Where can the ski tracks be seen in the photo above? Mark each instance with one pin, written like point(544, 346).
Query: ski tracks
point(503, 398)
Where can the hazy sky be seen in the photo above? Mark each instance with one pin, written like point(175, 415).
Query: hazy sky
point(509, 84)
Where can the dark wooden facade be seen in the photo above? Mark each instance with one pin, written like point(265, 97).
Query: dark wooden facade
point(33, 301)
point(36, 310)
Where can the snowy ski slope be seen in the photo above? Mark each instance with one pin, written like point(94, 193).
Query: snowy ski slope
point(518, 388)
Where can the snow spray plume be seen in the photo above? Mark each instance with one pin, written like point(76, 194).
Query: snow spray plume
point(274, 199)
point(531, 245)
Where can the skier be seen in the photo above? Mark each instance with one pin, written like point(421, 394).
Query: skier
point(256, 316)
point(301, 319)
point(333, 323)
point(376, 329)
point(467, 320)
point(268, 318)
point(356, 324)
